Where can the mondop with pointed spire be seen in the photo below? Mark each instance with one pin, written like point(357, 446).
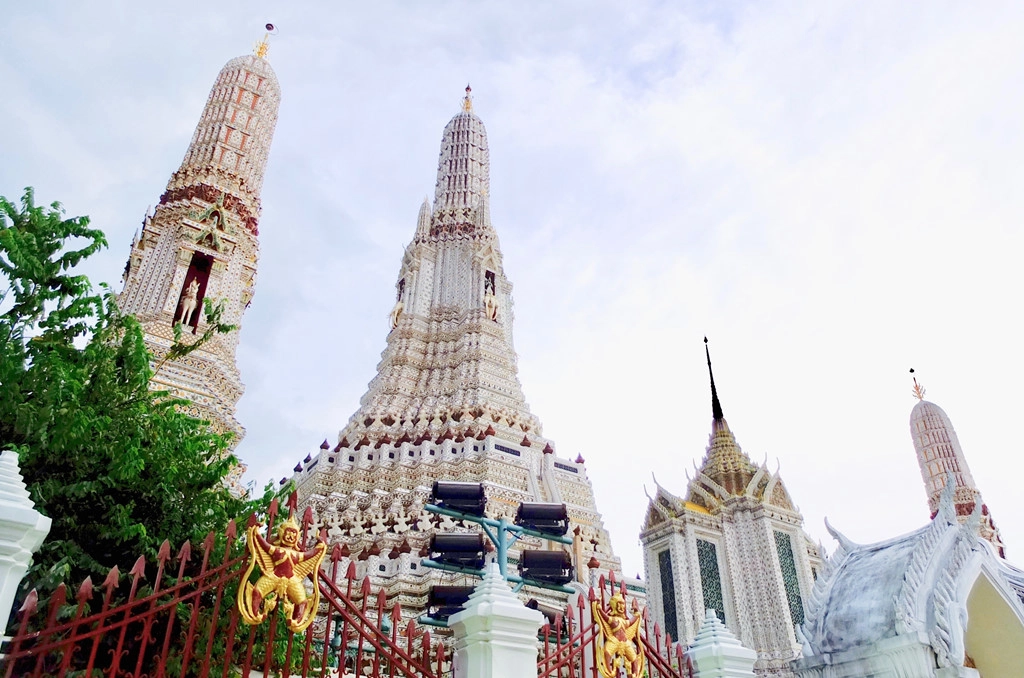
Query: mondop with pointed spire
point(201, 241)
point(734, 545)
point(446, 402)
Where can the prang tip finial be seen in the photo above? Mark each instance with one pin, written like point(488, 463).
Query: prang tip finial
point(716, 407)
point(918, 389)
point(467, 101)
point(263, 46)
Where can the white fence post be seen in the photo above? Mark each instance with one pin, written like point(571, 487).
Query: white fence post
point(495, 635)
point(717, 653)
point(22, 531)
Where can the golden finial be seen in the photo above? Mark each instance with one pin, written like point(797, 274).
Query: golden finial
point(263, 46)
point(918, 389)
point(467, 102)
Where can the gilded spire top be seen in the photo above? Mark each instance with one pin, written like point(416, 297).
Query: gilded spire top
point(263, 46)
point(467, 101)
point(918, 389)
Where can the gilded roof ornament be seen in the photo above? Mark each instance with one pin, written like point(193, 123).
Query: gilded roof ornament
point(918, 389)
point(263, 46)
point(467, 101)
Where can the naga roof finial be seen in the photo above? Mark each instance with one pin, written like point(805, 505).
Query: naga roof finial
point(918, 389)
point(716, 407)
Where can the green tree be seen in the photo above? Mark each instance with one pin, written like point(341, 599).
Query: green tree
point(117, 467)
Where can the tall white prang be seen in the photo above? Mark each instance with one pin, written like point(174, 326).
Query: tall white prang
point(201, 242)
point(446, 402)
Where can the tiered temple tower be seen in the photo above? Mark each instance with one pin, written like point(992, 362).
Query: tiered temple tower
point(940, 456)
point(201, 241)
point(735, 545)
point(446, 402)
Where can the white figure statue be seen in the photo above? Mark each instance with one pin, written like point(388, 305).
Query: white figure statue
point(490, 304)
point(189, 302)
point(396, 313)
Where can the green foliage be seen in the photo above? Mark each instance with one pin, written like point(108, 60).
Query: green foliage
point(116, 466)
point(214, 312)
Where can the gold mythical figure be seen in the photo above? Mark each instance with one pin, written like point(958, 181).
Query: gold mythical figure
point(619, 639)
point(284, 569)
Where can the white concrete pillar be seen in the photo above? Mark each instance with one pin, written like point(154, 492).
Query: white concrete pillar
point(22, 531)
point(717, 653)
point(495, 635)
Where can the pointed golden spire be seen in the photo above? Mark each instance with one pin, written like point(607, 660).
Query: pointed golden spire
point(467, 101)
point(263, 46)
point(918, 389)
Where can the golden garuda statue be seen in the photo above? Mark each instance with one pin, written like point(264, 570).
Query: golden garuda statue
point(618, 640)
point(283, 571)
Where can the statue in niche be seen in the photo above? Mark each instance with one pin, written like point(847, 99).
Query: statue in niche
point(396, 313)
point(188, 303)
point(490, 305)
point(490, 301)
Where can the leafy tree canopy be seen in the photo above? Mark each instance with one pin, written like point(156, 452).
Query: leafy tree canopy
point(116, 466)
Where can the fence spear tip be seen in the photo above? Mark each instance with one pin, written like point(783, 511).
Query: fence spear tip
point(185, 552)
point(110, 583)
point(31, 603)
point(232, 530)
point(165, 552)
point(85, 590)
point(209, 541)
point(251, 521)
point(139, 568)
point(57, 600)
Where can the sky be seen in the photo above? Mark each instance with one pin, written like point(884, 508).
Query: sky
point(830, 192)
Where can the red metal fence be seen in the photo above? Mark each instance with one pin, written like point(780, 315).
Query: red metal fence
point(188, 625)
point(178, 618)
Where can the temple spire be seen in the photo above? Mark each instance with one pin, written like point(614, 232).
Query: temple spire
point(941, 458)
point(716, 407)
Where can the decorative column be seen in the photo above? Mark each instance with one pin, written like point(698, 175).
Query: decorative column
point(22, 531)
point(495, 635)
point(716, 652)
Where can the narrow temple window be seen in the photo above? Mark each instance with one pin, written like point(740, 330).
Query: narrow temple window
point(784, 545)
point(710, 578)
point(668, 593)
